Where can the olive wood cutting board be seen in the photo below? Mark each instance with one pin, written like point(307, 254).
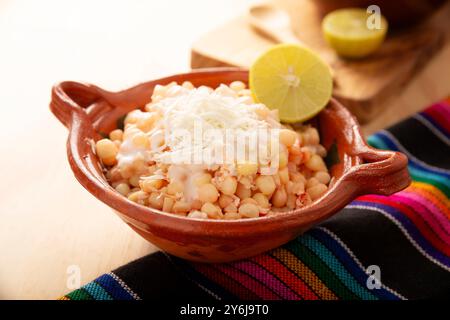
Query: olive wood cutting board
point(362, 85)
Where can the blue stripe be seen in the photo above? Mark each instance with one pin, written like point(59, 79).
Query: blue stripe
point(376, 142)
point(349, 262)
point(96, 291)
point(113, 288)
point(392, 145)
point(330, 260)
point(410, 228)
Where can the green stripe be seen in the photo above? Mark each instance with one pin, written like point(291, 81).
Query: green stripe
point(333, 263)
point(97, 291)
point(427, 177)
point(376, 142)
point(321, 270)
point(79, 294)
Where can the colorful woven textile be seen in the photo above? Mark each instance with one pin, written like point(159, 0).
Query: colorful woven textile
point(403, 239)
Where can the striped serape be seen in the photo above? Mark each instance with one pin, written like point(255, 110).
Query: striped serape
point(377, 248)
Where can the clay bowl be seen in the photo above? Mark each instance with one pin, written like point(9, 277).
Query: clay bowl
point(399, 13)
point(87, 111)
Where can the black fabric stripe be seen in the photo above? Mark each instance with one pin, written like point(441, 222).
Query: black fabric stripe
point(156, 277)
point(403, 268)
point(422, 143)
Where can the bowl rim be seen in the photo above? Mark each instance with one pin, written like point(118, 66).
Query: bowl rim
point(68, 110)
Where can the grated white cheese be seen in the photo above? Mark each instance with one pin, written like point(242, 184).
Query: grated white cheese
point(221, 111)
point(204, 127)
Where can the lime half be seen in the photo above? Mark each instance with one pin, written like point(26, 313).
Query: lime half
point(353, 32)
point(292, 79)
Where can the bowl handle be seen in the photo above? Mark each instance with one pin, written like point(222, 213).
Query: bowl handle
point(69, 98)
point(382, 172)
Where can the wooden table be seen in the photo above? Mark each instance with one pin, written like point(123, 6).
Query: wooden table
point(48, 221)
point(379, 90)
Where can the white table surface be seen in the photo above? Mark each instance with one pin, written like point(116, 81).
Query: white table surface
point(48, 222)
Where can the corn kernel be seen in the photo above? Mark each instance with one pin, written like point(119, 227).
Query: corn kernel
point(312, 182)
point(231, 208)
point(156, 200)
point(316, 191)
point(123, 188)
point(315, 163)
point(175, 187)
point(197, 215)
point(134, 181)
point(231, 216)
point(245, 92)
point(228, 185)
point(322, 177)
point(196, 204)
point(249, 200)
point(187, 85)
point(279, 198)
point(168, 204)
point(243, 192)
point(298, 188)
point(150, 185)
point(246, 169)
point(181, 207)
point(287, 137)
point(116, 135)
point(291, 199)
point(284, 175)
point(212, 211)
point(249, 210)
point(262, 200)
point(225, 200)
point(311, 136)
point(283, 160)
point(237, 86)
point(202, 179)
point(132, 117)
point(265, 184)
point(107, 151)
point(208, 193)
point(146, 123)
point(141, 140)
point(109, 161)
point(138, 196)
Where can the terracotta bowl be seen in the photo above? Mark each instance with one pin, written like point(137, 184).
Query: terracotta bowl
point(87, 111)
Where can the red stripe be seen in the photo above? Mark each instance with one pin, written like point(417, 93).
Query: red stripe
point(267, 279)
point(224, 281)
point(285, 275)
point(419, 223)
point(431, 213)
point(432, 197)
point(440, 113)
point(248, 282)
point(432, 225)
